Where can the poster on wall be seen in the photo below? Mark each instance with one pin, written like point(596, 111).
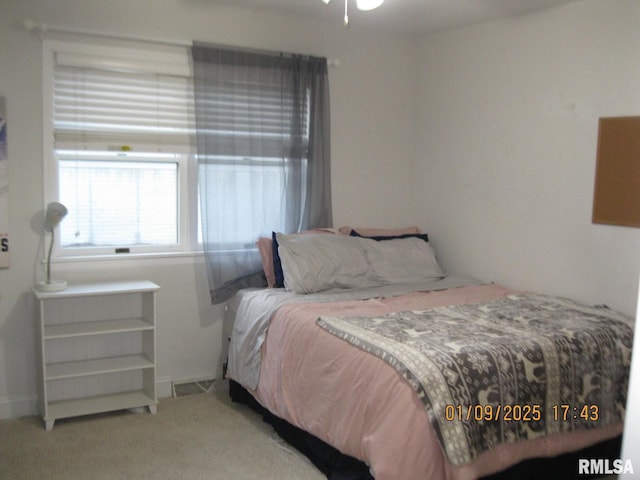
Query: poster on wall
point(5, 258)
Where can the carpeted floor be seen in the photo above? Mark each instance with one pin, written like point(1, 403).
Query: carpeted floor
point(193, 437)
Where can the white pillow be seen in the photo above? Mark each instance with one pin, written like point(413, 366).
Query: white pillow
point(404, 260)
point(313, 263)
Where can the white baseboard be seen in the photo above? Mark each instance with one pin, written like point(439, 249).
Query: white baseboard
point(18, 406)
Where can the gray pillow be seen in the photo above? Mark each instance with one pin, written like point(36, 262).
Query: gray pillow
point(313, 263)
point(405, 260)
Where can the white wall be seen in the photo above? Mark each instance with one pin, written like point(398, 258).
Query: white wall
point(631, 436)
point(506, 149)
point(372, 150)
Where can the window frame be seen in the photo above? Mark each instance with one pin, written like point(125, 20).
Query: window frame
point(173, 60)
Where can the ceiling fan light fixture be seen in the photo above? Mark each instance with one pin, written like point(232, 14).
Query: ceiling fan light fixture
point(368, 4)
point(363, 5)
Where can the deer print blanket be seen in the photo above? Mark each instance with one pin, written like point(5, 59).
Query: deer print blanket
point(511, 369)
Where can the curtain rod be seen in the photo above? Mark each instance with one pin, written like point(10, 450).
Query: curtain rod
point(332, 62)
point(41, 29)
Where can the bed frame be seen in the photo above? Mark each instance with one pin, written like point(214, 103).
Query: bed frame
point(337, 466)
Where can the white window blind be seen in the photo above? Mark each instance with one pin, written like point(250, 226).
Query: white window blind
point(94, 106)
point(121, 126)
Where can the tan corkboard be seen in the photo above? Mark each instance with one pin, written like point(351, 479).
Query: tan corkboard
point(616, 198)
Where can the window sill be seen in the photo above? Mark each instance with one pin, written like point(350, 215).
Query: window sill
point(118, 257)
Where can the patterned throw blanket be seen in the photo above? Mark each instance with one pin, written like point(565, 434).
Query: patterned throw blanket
point(512, 369)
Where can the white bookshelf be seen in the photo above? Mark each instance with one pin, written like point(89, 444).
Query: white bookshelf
point(97, 349)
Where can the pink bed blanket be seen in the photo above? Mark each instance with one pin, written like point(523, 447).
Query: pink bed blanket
point(363, 407)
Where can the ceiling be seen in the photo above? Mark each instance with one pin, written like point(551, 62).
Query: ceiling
point(405, 16)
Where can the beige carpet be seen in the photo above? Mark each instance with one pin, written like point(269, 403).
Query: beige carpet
point(203, 436)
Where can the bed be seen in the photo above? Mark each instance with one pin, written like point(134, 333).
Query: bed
point(373, 350)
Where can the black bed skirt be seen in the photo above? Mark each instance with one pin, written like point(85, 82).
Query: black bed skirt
point(337, 466)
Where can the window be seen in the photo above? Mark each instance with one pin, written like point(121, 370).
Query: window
point(119, 126)
point(120, 122)
point(254, 186)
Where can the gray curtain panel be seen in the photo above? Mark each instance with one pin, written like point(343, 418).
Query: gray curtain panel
point(263, 150)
